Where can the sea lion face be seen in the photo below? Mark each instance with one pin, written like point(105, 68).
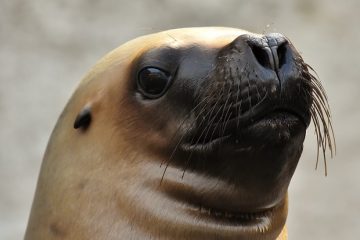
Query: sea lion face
point(193, 134)
point(235, 112)
point(224, 113)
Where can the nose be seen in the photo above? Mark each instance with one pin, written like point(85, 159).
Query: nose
point(254, 75)
point(270, 51)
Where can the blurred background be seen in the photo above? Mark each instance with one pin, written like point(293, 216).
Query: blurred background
point(47, 46)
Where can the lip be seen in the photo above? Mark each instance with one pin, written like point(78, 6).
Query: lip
point(233, 217)
point(203, 147)
point(255, 116)
point(230, 217)
point(197, 205)
point(277, 117)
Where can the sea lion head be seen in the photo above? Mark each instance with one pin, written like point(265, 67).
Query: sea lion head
point(188, 134)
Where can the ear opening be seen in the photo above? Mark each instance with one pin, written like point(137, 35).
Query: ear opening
point(83, 119)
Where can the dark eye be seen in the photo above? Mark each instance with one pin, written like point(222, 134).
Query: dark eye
point(153, 82)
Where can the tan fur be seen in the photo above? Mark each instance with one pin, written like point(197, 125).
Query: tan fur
point(283, 235)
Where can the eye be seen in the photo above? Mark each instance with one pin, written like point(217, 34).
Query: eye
point(153, 82)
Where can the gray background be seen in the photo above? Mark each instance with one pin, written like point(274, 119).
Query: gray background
point(47, 46)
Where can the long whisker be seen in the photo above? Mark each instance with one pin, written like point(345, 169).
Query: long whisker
point(237, 98)
point(206, 129)
point(229, 74)
point(320, 115)
point(225, 107)
point(204, 100)
point(211, 122)
point(180, 140)
point(182, 123)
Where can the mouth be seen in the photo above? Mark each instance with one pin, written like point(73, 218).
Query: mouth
point(228, 217)
point(274, 122)
point(220, 213)
point(233, 171)
point(215, 205)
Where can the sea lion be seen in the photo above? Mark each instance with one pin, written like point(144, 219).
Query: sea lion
point(185, 134)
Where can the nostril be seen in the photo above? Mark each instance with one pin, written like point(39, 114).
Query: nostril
point(281, 52)
point(261, 55)
point(271, 51)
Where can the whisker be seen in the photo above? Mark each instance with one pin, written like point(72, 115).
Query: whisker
point(205, 128)
point(197, 142)
point(320, 115)
point(185, 118)
point(226, 118)
point(178, 144)
point(211, 122)
point(237, 98)
point(227, 99)
point(182, 123)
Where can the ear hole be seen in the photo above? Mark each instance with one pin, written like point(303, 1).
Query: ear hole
point(83, 119)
